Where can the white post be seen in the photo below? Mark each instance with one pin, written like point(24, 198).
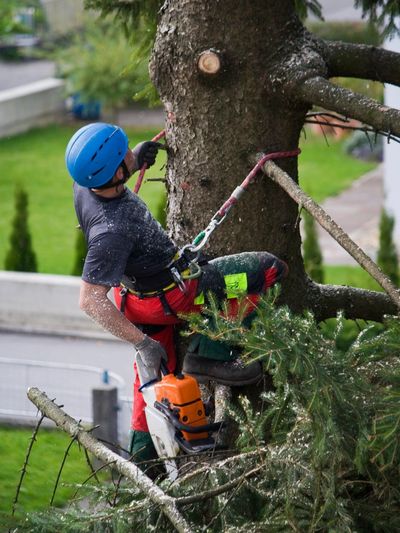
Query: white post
point(392, 155)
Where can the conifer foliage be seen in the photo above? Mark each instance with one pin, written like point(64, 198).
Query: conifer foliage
point(387, 255)
point(21, 256)
point(320, 453)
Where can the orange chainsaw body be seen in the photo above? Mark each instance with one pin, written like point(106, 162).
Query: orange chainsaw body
point(182, 395)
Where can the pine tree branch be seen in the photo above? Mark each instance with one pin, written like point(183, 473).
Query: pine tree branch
point(186, 500)
point(326, 300)
point(295, 192)
point(319, 91)
point(362, 61)
point(126, 468)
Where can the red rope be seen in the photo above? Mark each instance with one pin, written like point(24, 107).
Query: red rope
point(144, 167)
point(252, 174)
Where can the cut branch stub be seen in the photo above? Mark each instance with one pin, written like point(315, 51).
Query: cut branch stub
point(209, 62)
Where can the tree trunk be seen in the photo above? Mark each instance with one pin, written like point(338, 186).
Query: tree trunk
point(216, 122)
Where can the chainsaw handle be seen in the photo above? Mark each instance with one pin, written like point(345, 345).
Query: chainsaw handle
point(164, 368)
point(216, 426)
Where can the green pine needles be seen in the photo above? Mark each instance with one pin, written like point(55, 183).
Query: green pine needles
point(331, 425)
point(20, 256)
point(319, 452)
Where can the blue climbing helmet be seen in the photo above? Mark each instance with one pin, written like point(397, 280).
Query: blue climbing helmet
point(95, 152)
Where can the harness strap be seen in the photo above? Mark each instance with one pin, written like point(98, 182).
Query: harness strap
point(166, 306)
point(123, 293)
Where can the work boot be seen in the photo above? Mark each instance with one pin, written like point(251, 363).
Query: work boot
point(233, 373)
point(142, 449)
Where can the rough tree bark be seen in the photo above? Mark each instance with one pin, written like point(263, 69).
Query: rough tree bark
point(253, 98)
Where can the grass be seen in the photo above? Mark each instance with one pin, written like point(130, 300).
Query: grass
point(35, 160)
point(44, 464)
point(350, 275)
point(326, 170)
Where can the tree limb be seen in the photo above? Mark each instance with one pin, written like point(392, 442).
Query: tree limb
point(295, 192)
point(362, 61)
point(126, 468)
point(325, 300)
point(319, 91)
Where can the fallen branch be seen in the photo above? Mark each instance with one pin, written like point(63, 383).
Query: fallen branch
point(68, 424)
point(295, 192)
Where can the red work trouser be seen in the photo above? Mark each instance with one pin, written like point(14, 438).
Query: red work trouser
point(262, 271)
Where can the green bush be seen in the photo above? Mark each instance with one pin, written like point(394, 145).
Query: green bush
point(312, 254)
point(21, 256)
point(101, 65)
point(80, 253)
point(387, 255)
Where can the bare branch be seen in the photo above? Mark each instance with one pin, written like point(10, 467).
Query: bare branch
point(362, 61)
point(126, 468)
point(295, 192)
point(61, 469)
point(326, 300)
point(324, 93)
point(322, 119)
point(25, 466)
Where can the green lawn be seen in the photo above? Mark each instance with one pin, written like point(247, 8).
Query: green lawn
point(44, 463)
point(350, 275)
point(35, 160)
point(326, 170)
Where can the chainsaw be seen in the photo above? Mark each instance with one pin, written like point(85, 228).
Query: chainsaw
point(176, 415)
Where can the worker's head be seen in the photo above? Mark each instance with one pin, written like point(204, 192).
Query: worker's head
point(95, 153)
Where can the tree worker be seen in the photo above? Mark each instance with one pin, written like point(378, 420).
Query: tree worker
point(129, 251)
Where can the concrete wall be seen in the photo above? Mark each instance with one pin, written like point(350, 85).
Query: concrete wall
point(44, 303)
point(34, 104)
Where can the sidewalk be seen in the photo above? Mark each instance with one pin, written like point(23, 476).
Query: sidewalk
point(357, 210)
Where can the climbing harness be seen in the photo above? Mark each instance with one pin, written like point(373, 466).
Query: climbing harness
point(192, 267)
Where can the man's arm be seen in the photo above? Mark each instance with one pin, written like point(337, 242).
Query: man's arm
point(94, 302)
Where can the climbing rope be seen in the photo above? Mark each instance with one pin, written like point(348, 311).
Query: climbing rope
point(144, 167)
point(201, 239)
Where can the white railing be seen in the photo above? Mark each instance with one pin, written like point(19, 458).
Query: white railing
point(68, 384)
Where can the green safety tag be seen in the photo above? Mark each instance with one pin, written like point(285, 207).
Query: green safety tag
point(199, 300)
point(235, 284)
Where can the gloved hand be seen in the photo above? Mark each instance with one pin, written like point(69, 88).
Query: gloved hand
point(151, 352)
point(146, 152)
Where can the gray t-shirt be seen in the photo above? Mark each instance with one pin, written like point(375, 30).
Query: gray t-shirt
point(122, 237)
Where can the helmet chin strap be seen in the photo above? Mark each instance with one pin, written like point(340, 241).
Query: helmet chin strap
point(111, 184)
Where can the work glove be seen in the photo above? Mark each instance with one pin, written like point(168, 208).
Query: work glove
point(151, 352)
point(146, 152)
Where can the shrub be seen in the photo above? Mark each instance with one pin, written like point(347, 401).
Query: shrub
point(312, 255)
point(21, 256)
point(80, 253)
point(387, 255)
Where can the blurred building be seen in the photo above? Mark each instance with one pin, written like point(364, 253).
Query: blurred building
point(63, 16)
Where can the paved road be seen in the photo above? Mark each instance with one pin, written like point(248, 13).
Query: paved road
point(357, 210)
point(13, 73)
point(66, 377)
